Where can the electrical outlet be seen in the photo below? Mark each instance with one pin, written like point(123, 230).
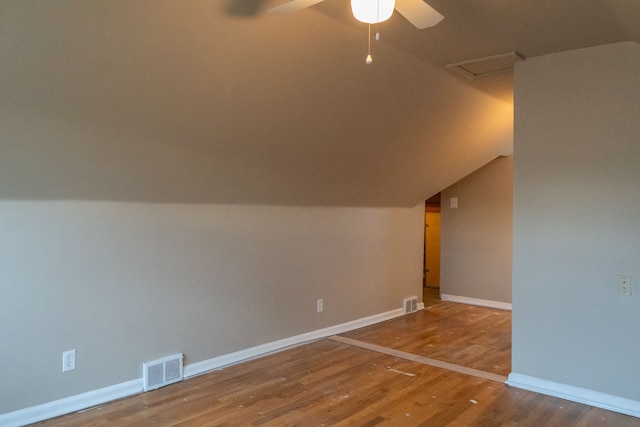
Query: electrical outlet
point(68, 360)
point(320, 305)
point(624, 285)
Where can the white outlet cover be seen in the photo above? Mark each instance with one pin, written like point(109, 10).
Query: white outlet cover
point(68, 360)
point(624, 285)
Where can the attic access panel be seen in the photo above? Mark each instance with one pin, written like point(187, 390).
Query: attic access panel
point(487, 66)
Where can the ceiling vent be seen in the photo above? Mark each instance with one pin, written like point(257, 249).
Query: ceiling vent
point(487, 66)
point(161, 372)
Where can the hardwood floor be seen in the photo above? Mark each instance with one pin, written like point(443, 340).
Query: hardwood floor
point(476, 337)
point(430, 296)
point(330, 383)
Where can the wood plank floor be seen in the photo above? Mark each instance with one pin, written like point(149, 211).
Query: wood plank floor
point(476, 337)
point(329, 383)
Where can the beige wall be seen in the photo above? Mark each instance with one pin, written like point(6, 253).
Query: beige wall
point(477, 235)
point(124, 283)
point(577, 219)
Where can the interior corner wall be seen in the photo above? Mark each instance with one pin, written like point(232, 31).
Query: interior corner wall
point(125, 283)
point(476, 237)
point(577, 218)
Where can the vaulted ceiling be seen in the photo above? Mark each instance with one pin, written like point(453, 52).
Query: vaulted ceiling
point(216, 101)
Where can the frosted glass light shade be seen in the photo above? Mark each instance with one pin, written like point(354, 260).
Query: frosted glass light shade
point(372, 11)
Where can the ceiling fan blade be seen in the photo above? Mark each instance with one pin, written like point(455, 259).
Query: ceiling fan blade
point(293, 6)
point(420, 14)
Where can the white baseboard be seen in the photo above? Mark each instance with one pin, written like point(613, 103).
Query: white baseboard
point(475, 301)
point(576, 394)
point(75, 403)
point(261, 350)
point(86, 400)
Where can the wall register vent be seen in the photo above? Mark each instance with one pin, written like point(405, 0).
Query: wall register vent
point(410, 305)
point(162, 372)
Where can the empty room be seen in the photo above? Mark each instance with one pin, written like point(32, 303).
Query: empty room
point(212, 212)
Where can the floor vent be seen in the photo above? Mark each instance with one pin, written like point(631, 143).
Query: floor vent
point(410, 305)
point(161, 372)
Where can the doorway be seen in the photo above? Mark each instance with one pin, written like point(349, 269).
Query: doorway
point(431, 270)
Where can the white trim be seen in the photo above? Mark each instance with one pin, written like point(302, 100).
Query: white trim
point(475, 301)
point(199, 368)
point(576, 394)
point(86, 400)
point(70, 404)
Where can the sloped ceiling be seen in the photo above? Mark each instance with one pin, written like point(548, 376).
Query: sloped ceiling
point(212, 101)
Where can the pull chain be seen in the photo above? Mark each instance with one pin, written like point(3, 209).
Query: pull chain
point(378, 23)
point(369, 59)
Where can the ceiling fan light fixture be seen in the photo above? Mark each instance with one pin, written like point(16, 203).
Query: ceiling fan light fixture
point(372, 11)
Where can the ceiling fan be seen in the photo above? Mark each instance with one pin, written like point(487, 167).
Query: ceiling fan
point(420, 14)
